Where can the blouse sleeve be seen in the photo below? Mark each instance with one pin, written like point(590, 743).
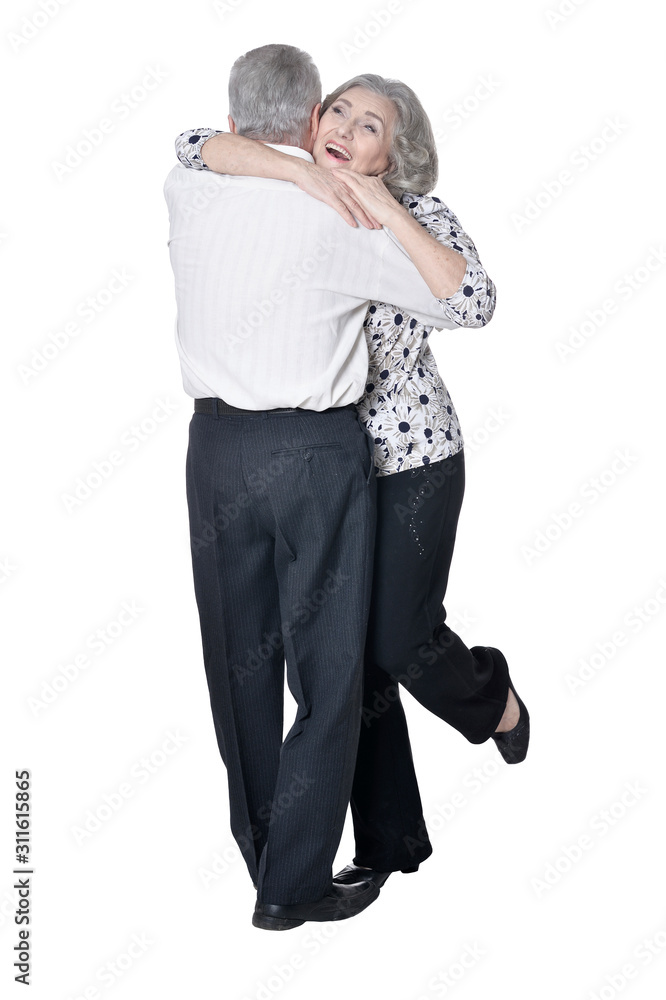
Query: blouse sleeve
point(188, 146)
point(473, 303)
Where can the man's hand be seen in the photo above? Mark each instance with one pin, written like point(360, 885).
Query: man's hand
point(327, 186)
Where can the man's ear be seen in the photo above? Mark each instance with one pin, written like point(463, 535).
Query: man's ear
point(232, 123)
point(314, 121)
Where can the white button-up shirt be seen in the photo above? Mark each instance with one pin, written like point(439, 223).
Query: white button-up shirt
point(272, 288)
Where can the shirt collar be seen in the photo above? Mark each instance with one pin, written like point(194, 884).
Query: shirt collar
point(292, 150)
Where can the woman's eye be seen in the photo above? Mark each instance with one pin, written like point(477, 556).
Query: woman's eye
point(339, 111)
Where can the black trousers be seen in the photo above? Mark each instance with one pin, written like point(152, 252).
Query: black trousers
point(282, 517)
point(409, 643)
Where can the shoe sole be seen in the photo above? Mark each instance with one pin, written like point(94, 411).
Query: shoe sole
point(268, 923)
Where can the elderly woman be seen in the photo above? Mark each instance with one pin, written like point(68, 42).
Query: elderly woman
point(374, 141)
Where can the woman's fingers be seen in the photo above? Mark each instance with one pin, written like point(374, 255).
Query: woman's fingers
point(370, 193)
point(350, 210)
point(348, 207)
point(361, 214)
point(342, 210)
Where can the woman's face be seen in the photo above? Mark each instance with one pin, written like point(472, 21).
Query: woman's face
point(356, 131)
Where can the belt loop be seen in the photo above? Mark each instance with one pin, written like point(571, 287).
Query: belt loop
point(216, 412)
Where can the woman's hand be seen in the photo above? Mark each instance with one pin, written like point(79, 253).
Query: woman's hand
point(371, 194)
point(328, 186)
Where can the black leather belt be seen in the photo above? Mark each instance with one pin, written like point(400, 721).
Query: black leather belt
point(214, 406)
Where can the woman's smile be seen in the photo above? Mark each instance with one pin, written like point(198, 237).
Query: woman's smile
point(337, 152)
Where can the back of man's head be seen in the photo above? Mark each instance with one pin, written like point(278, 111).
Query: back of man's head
point(272, 91)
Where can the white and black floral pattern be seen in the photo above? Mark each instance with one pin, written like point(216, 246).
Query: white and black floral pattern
point(406, 408)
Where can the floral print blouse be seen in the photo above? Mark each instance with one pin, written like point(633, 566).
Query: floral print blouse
point(406, 408)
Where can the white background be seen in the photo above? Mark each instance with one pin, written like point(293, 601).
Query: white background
point(499, 886)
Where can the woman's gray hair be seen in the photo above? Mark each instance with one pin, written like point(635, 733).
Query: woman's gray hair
point(413, 153)
point(272, 91)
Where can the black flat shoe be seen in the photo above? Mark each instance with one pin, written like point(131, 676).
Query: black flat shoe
point(513, 743)
point(352, 873)
point(339, 903)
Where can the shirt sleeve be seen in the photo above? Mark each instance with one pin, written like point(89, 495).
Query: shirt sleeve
point(188, 146)
point(473, 304)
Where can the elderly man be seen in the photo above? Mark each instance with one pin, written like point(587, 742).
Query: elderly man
point(271, 288)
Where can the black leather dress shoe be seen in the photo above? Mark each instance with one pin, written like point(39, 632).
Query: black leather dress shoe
point(340, 902)
point(352, 873)
point(514, 742)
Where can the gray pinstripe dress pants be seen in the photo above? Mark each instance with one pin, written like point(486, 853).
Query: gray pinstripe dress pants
point(282, 523)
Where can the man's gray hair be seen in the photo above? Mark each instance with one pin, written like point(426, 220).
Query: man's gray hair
point(272, 91)
point(413, 153)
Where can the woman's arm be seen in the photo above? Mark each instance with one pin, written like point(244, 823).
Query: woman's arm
point(440, 266)
point(228, 153)
point(474, 302)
